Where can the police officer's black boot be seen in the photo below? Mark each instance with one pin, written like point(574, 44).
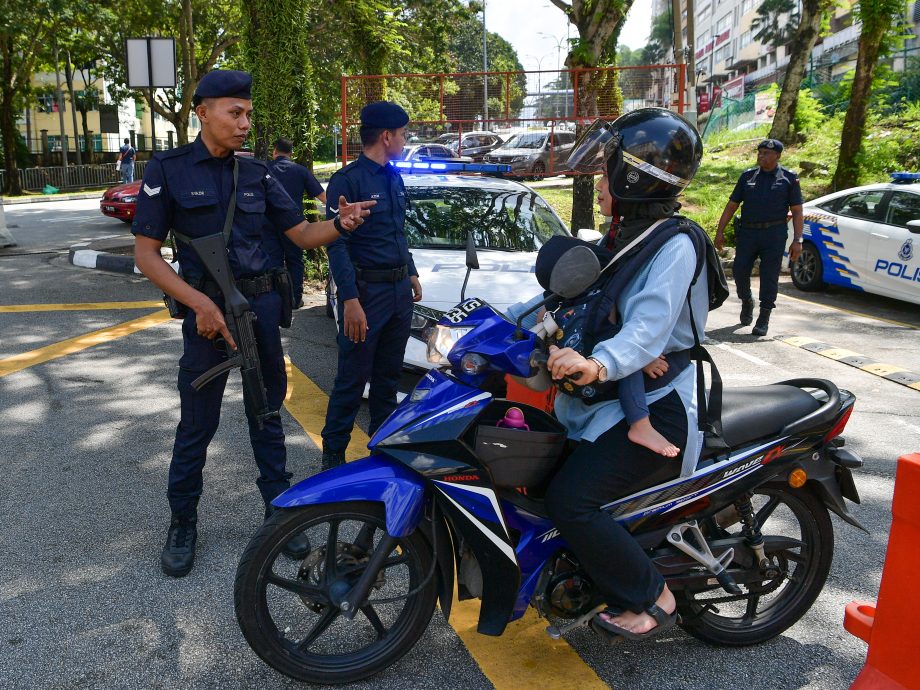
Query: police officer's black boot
point(178, 555)
point(747, 312)
point(763, 322)
point(298, 546)
point(332, 458)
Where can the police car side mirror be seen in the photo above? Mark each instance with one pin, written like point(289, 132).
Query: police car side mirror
point(574, 272)
point(913, 226)
point(589, 235)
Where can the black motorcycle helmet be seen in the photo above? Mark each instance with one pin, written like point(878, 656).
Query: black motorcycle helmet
point(649, 154)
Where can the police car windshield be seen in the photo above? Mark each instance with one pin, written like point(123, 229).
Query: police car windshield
point(525, 141)
point(505, 220)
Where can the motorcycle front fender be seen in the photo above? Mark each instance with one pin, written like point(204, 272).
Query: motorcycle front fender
point(376, 478)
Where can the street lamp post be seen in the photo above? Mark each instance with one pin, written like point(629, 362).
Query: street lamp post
point(539, 62)
point(559, 42)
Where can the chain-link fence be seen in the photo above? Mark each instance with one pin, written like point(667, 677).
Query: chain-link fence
point(525, 119)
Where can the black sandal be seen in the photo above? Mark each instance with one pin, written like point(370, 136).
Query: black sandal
point(664, 621)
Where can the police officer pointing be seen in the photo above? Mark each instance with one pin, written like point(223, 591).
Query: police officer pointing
point(190, 190)
point(375, 279)
point(765, 193)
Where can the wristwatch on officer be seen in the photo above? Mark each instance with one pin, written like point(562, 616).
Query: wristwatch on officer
point(337, 224)
point(797, 240)
point(601, 369)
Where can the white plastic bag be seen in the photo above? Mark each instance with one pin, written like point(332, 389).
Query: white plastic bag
point(118, 165)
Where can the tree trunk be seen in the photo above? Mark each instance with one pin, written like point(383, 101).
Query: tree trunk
point(88, 145)
point(68, 78)
point(10, 135)
point(800, 52)
point(854, 125)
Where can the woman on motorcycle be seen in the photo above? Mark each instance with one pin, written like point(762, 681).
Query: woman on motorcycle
point(646, 157)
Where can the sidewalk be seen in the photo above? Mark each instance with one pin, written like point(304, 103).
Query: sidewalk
point(40, 198)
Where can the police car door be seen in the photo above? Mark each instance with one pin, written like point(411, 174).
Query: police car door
point(857, 214)
point(893, 249)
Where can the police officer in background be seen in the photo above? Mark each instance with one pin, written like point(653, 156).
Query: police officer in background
point(298, 182)
point(189, 190)
point(375, 280)
point(766, 193)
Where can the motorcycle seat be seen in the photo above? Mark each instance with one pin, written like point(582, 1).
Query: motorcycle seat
point(753, 412)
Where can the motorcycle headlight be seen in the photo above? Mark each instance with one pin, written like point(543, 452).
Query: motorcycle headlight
point(442, 339)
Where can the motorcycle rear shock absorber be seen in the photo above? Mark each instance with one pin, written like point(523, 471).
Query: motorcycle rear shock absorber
point(751, 530)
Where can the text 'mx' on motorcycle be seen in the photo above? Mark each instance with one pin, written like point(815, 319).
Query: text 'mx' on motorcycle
point(743, 538)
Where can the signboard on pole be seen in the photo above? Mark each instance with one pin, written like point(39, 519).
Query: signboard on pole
point(151, 62)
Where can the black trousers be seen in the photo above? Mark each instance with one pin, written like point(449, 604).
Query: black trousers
point(599, 472)
point(768, 244)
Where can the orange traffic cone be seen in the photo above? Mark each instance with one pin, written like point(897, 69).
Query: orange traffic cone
point(890, 626)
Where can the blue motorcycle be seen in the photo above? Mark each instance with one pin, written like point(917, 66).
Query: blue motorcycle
point(743, 537)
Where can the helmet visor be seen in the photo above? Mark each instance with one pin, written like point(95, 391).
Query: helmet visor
point(593, 148)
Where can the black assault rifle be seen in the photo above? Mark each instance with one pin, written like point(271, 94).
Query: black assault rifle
point(212, 250)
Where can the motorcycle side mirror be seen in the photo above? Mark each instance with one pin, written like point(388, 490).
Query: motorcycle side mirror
point(472, 262)
point(574, 272)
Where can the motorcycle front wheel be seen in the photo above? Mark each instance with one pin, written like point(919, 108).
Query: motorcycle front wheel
point(797, 574)
point(288, 610)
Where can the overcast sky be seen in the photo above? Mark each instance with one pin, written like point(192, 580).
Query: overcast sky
point(521, 23)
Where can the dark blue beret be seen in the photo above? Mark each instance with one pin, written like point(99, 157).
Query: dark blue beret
point(383, 114)
point(220, 83)
point(771, 145)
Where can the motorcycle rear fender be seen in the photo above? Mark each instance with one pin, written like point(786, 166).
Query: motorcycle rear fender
point(403, 494)
point(828, 480)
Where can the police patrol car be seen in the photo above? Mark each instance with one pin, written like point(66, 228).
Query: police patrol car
point(509, 222)
point(864, 238)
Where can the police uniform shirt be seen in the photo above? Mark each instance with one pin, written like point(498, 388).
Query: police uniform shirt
point(296, 180)
point(380, 242)
point(188, 190)
point(766, 196)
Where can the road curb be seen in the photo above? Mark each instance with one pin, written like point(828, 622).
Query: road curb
point(891, 372)
point(6, 201)
point(100, 254)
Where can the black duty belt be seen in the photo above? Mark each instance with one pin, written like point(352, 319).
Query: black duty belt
point(382, 275)
point(250, 287)
point(762, 226)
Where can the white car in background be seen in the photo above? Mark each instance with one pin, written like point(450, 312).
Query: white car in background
point(509, 222)
point(864, 238)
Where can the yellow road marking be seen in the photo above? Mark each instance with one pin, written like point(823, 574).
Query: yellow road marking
point(880, 369)
point(25, 360)
point(915, 385)
point(854, 313)
point(525, 656)
point(86, 306)
point(799, 340)
point(838, 353)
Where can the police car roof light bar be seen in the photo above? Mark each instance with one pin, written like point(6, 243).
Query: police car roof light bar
point(905, 177)
point(422, 166)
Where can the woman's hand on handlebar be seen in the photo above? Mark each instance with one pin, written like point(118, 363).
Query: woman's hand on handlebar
point(566, 363)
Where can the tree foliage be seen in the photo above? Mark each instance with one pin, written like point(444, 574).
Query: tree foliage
point(775, 22)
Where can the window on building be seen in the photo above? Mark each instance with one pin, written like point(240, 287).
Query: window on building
point(88, 99)
point(702, 40)
point(703, 13)
point(47, 103)
point(139, 109)
point(747, 6)
point(722, 53)
point(724, 24)
point(745, 38)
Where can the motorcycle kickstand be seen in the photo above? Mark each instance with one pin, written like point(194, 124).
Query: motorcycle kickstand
point(705, 557)
point(557, 631)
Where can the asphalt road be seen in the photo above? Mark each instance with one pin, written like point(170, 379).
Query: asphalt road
point(88, 438)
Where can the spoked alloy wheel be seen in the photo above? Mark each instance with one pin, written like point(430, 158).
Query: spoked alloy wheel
point(795, 576)
point(288, 610)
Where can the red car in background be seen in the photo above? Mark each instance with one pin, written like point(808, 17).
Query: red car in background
point(120, 202)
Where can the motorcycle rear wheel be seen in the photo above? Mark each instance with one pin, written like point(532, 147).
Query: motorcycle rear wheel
point(770, 607)
point(288, 610)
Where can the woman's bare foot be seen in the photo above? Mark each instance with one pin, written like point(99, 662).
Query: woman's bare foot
point(642, 433)
point(640, 623)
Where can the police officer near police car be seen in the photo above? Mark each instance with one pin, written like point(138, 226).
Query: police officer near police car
point(765, 193)
point(375, 281)
point(194, 191)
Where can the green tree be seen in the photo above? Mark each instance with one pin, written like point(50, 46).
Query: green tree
point(660, 40)
point(26, 27)
point(875, 38)
point(596, 21)
point(814, 12)
point(775, 21)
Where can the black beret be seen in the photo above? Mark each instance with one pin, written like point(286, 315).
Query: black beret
point(383, 115)
point(558, 245)
point(771, 145)
point(220, 83)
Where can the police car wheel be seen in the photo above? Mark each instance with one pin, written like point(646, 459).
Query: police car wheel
point(808, 271)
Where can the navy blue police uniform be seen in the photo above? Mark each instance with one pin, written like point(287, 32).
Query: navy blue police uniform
point(765, 199)
point(372, 264)
point(297, 181)
point(188, 190)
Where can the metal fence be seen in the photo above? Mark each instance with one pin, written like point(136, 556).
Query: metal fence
point(540, 106)
point(72, 177)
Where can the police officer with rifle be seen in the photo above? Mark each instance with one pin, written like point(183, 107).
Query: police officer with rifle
point(227, 295)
